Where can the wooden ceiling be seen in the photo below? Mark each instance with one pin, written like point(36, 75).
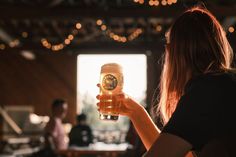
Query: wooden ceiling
point(24, 24)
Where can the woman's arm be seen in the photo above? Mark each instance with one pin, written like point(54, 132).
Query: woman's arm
point(145, 127)
point(168, 145)
point(157, 145)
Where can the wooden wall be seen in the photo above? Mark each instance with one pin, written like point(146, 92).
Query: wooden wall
point(37, 82)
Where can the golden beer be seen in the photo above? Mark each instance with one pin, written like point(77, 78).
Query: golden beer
point(111, 83)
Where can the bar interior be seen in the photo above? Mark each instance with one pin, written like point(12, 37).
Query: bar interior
point(53, 58)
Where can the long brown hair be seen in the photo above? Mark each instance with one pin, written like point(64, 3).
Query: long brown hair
point(196, 44)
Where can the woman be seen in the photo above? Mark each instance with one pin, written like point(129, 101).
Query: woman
point(196, 89)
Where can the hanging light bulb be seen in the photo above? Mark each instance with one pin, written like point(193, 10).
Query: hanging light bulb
point(231, 29)
point(99, 22)
point(2, 46)
point(78, 25)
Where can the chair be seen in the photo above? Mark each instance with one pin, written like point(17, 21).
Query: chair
point(221, 147)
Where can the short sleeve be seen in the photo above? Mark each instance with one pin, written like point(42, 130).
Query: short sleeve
point(194, 117)
point(51, 128)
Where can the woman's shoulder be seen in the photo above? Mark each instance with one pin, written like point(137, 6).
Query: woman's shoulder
point(209, 80)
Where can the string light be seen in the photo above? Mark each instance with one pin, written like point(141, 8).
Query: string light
point(163, 2)
point(157, 2)
point(78, 25)
point(141, 1)
point(135, 34)
point(103, 27)
point(67, 41)
point(24, 34)
point(2, 46)
point(154, 3)
point(231, 29)
point(11, 44)
point(14, 43)
point(70, 37)
point(169, 2)
point(117, 37)
point(158, 28)
point(99, 22)
point(174, 1)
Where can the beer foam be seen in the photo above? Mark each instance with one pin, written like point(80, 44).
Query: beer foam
point(111, 68)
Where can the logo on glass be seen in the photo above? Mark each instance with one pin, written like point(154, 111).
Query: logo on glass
point(109, 82)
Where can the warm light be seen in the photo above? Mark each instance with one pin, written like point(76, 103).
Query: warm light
point(231, 29)
point(61, 46)
point(135, 34)
point(35, 119)
point(123, 39)
point(48, 46)
point(24, 34)
point(163, 2)
point(12, 44)
point(139, 30)
point(70, 37)
point(56, 48)
point(120, 39)
point(42, 40)
point(78, 25)
point(45, 43)
point(67, 41)
point(2, 46)
point(103, 27)
point(131, 37)
point(151, 3)
point(115, 37)
point(16, 42)
point(141, 1)
point(169, 2)
point(158, 28)
point(156, 3)
point(99, 22)
point(29, 55)
point(111, 35)
point(174, 1)
point(53, 48)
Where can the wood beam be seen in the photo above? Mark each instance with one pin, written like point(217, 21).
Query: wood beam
point(96, 47)
point(7, 12)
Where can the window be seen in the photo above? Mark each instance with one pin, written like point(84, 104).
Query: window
point(88, 72)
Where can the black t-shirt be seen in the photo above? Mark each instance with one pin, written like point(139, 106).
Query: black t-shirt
point(206, 111)
point(80, 135)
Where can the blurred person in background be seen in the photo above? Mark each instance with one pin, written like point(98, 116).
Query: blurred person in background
point(81, 134)
point(55, 136)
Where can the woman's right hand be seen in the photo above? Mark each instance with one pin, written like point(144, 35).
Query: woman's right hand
point(127, 106)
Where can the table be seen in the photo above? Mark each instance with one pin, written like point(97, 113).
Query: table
point(102, 149)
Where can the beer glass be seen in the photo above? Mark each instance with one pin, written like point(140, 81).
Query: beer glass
point(111, 83)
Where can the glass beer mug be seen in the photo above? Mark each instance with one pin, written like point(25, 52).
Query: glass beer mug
point(111, 83)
